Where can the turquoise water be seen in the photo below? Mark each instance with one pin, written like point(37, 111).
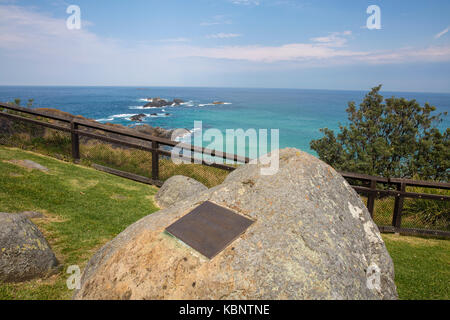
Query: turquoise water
point(298, 114)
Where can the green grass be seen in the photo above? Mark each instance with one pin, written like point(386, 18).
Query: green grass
point(58, 145)
point(422, 267)
point(83, 209)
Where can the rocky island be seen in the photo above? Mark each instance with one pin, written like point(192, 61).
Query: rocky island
point(138, 117)
point(159, 103)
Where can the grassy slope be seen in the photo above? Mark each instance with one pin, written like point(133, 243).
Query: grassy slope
point(84, 209)
point(422, 266)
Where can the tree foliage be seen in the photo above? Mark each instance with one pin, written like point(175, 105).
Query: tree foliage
point(391, 137)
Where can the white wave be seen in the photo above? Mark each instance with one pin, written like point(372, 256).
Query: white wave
point(122, 115)
point(213, 104)
point(189, 103)
point(113, 117)
point(125, 116)
point(141, 107)
point(105, 119)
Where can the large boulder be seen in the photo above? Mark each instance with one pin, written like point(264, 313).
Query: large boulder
point(312, 238)
point(177, 188)
point(24, 252)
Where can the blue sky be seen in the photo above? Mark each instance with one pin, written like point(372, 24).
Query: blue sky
point(231, 43)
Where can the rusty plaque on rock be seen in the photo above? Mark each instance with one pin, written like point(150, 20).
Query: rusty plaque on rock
point(209, 228)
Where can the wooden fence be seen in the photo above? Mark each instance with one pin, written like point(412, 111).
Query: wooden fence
point(395, 187)
point(363, 184)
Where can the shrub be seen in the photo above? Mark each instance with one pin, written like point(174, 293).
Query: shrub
point(391, 137)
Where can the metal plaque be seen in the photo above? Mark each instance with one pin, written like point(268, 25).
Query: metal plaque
point(209, 228)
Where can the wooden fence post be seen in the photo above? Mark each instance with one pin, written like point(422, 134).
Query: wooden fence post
point(155, 160)
point(75, 141)
point(398, 206)
point(371, 197)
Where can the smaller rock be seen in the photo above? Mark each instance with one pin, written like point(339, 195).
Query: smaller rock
point(138, 117)
point(24, 252)
point(177, 188)
point(29, 165)
point(177, 102)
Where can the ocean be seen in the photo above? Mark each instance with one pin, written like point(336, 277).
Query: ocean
point(298, 114)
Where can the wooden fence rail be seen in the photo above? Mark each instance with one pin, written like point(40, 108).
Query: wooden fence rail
point(367, 185)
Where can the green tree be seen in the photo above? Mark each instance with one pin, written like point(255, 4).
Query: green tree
point(391, 137)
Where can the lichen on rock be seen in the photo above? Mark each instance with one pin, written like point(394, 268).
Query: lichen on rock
point(24, 252)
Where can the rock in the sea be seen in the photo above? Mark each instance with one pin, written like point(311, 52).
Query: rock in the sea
point(177, 102)
point(177, 188)
point(24, 252)
point(159, 103)
point(138, 117)
point(312, 238)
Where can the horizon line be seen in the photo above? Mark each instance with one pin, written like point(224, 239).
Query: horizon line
point(216, 87)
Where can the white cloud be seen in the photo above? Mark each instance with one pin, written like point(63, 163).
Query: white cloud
point(246, 2)
point(269, 54)
point(222, 35)
point(319, 55)
point(176, 40)
point(35, 47)
point(216, 20)
point(403, 55)
point(334, 39)
point(211, 23)
point(440, 34)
